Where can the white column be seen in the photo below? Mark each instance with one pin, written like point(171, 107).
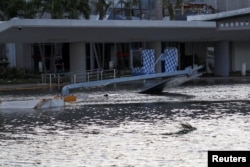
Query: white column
point(78, 58)
point(156, 45)
point(11, 54)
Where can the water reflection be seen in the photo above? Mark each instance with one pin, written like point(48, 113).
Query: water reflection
point(113, 115)
point(131, 134)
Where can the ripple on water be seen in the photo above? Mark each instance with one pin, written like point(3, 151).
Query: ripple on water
point(134, 133)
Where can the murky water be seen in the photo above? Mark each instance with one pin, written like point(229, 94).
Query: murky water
point(129, 129)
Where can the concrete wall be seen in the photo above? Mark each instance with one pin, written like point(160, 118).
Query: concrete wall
point(240, 54)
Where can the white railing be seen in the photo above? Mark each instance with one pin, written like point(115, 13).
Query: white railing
point(76, 77)
point(96, 75)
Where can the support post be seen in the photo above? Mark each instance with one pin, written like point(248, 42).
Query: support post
point(222, 59)
point(157, 48)
point(78, 59)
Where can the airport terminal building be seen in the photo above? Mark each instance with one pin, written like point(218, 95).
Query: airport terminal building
point(218, 40)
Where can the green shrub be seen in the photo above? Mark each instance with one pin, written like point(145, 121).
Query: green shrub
point(17, 73)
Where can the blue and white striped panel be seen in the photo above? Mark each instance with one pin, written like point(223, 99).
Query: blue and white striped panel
point(148, 61)
point(137, 71)
point(171, 59)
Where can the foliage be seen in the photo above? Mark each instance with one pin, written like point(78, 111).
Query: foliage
point(169, 6)
point(128, 5)
point(58, 9)
point(179, 2)
point(17, 73)
point(4, 60)
point(101, 7)
point(32, 9)
point(11, 8)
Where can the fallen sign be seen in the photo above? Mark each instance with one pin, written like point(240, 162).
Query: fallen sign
point(55, 102)
point(189, 71)
point(170, 82)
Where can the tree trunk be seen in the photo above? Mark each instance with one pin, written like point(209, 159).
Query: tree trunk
point(140, 9)
point(158, 9)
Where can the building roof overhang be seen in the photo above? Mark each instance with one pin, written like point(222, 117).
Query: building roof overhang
point(59, 31)
point(49, 30)
point(220, 16)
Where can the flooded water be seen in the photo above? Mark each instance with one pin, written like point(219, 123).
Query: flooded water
point(115, 126)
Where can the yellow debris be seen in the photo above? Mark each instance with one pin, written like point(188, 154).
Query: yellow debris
point(69, 98)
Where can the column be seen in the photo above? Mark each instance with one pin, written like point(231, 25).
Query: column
point(11, 54)
point(222, 59)
point(78, 59)
point(156, 45)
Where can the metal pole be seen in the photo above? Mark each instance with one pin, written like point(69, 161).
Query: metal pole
point(97, 75)
point(193, 54)
point(92, 64)
point(50, 84)
point(42, 79)
point(103, 55)
point(74, 78)
point(58, 81)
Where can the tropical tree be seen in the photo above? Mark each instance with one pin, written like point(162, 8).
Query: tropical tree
point(19, 8)
point(128, 5)
point(54, 7)
point(167, 5)
point(59, 9)
point(32, 9)
point(101, 7)
point(140, 8)
point(82, 7)
point(11, 8)
point(159, 9)
point(179, 2)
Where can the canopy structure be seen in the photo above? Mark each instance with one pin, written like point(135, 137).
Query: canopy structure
point(52, 30)
point(196, 28)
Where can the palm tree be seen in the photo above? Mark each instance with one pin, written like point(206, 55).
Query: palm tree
point(140, 8)
point(11, 8)
point(167, 5)
point(54, 8)
point(83, 8)
point(58, 9)
point(101, 7)
point(179, 2)
point(33, 8)
point(76, 8)
point(128, 5)
point(159, 9)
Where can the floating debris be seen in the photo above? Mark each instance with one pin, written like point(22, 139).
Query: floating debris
point(186, 128)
